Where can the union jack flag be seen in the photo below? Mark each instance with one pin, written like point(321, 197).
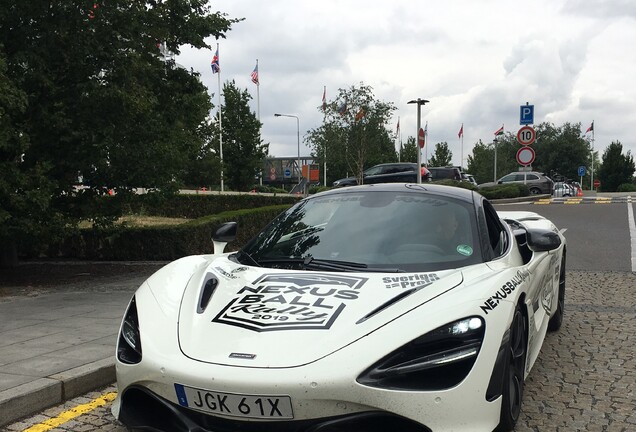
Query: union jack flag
point(254, 74)
point(215, 62)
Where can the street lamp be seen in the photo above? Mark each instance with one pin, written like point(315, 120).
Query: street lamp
point(298, 132)
point(419, 103)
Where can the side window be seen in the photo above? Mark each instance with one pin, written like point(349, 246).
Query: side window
point(509, 178)
point(532, 177)
point(497, 235)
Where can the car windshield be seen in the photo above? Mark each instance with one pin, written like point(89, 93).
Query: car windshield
point(369, 231)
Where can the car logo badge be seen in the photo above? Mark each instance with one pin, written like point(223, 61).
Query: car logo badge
point(243, 356)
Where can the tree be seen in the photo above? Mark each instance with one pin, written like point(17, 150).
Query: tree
point(560, 150)
point(243, 149)
point(409, 150)
point(442, 156)
point(353, 133)
point(100, 102)
point(616, 168)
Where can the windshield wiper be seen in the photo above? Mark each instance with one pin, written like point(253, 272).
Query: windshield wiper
point(311, 263)
point(242, 254)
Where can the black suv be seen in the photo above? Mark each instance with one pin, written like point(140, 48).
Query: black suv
point(384, 173)
point(444, 173)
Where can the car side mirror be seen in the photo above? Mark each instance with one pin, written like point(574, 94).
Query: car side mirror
point(499, 182)
point(542, 240)
point(223, 235)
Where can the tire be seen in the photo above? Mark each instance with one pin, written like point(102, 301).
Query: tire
point(535, 191)
point(514, 371)
point(557, 319)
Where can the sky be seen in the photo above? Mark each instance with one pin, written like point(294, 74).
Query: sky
point(476, 61)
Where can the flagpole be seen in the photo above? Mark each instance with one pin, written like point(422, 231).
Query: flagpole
point(220, 121)
point(258, 97)
point(426, 144)
point(397, 137)
point(324, 118)
point(461, 161)
point(592, 174)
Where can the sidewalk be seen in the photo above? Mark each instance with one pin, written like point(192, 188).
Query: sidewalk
point(58, 338)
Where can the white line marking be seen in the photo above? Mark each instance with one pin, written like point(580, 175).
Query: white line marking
point(632, 230)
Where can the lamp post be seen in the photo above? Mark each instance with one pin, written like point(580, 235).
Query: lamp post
point(298, 136)
point(419, 103)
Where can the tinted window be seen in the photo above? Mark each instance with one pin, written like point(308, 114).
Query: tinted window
point(532, 177)
point(509, 178)
point(406, 231)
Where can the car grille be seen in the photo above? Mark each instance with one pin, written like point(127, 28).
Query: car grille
point(143, 410)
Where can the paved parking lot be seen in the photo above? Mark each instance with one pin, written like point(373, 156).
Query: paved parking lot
point(585, 378)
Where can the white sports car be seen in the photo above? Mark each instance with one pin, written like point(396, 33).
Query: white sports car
point(388, 307)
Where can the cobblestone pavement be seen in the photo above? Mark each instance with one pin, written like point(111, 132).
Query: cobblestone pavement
point(584, 379)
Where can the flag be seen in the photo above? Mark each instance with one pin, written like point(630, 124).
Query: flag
point(216, 68)
point(499, 131)
point(591, 128)
point(324, 98)
point(360, 114)
point(397, 129)
point(461, 132)
point(254, 74)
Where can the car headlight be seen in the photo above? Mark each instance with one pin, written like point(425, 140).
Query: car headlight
point(129, 344)
point(437, 360)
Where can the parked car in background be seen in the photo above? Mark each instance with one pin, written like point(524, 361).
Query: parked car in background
point(562, 189)
point(469, 178)
point(382, 173)
point(445, 173)
point(538, 183)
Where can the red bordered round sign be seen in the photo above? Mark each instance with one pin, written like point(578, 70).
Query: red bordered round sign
point(526, 135)
point(525, 156)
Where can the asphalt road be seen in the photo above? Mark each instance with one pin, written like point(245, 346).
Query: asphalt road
point(585, 377)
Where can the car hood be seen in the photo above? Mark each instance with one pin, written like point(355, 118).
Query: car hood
point(260, 317)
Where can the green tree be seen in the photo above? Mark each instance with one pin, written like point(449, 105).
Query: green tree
point(442, 156)
point(243, 149)
point(409, 150)
point(482, 161)
point(615, 168)
point(560, 150)
point(353, 133)
point(100, 102)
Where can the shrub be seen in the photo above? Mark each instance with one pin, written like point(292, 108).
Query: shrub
point(627, 187)
point(166, 242)
point(510, 190)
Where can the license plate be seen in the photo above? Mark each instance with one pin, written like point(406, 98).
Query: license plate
point(233, 404)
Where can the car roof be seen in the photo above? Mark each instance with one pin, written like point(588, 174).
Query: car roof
point(431, 189)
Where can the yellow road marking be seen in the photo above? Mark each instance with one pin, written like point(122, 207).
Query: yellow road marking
point(543, 201)
point(573, 201)
point(73, 413)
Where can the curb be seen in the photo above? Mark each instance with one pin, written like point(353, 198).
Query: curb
point(30, 398)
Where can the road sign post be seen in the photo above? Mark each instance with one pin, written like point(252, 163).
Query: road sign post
point(526, 114)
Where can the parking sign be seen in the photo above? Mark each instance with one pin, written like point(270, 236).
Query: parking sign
point(526, 115)
point(581, 171)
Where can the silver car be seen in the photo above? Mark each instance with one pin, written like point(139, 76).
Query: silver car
point(538, 183)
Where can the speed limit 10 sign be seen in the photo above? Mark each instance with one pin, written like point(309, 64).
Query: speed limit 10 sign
point(526, 135)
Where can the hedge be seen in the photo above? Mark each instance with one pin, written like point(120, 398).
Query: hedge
point(167, 242)
point(192, 206)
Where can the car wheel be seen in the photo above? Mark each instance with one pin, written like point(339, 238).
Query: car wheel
point(514, 370)
point(557, 319)
point(535, 191)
